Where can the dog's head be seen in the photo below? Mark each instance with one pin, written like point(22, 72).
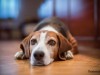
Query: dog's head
point(43, 47)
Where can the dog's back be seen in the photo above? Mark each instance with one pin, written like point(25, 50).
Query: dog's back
point(55, 23)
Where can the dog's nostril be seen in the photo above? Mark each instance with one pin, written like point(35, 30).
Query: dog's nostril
point(38, 55)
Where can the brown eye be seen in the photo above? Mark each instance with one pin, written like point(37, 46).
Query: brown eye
point(51, 42)
point(33, 41)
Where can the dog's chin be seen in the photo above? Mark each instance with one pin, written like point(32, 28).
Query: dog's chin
point(40, 63)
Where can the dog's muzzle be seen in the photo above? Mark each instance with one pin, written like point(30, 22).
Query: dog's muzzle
point(39, 55)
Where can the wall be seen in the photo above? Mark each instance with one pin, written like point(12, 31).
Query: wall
point(28, 10)
point(83, 24)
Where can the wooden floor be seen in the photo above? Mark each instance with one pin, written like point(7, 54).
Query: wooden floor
point(87, 62)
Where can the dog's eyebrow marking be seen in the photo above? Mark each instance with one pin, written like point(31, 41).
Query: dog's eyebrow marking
point(49, 28)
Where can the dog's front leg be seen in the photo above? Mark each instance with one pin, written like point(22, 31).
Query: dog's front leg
point(19, 55)
point(69, 55)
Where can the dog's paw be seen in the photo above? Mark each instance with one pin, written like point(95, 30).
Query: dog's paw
point(19, 55)
point(69, 55)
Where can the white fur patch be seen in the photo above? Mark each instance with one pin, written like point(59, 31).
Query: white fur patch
point(69, 55)
point(19, 55)
point(49, 28)
point(41, 47)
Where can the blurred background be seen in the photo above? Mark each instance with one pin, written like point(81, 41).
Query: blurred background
point(18, 17)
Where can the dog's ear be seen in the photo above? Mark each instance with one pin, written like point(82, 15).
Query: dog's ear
point(25, 45)
point(64, 46)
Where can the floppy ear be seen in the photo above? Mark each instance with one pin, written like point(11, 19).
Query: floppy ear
point(25, 45)
point(64, 46)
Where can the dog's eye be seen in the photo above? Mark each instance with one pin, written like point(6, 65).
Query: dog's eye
point(33, 41)
point(51, 42)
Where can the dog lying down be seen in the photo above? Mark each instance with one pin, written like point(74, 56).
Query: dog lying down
point(51, 40)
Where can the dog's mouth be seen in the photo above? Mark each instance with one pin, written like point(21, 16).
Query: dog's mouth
point(39, 63)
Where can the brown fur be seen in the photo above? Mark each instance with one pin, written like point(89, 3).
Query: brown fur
point(55, 48)
point(64, 46)
point(73, 42)
point(25, 46)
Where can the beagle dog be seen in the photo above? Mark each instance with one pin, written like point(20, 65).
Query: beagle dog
point(51, 40)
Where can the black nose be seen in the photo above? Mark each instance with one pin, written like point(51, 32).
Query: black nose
point(38, 55)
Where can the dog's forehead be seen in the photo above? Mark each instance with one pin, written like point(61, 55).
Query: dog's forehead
point(37, 34)
point(51, 34)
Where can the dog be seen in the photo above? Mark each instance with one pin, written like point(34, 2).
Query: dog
point(50, 40)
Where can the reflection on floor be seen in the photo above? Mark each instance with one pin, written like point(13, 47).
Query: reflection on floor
point(86, 62)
